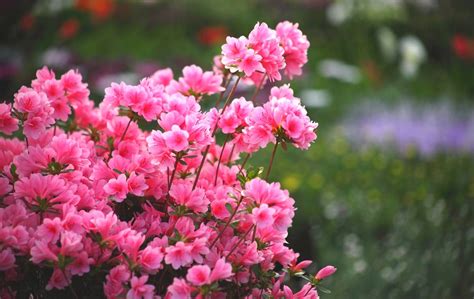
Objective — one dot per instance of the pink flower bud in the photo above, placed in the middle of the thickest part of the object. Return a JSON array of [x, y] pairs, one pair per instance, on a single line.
[[325, 272]]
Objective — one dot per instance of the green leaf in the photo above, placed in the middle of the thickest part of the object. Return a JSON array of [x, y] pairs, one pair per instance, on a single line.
[[324, 290], [228, 206], [13, 172]]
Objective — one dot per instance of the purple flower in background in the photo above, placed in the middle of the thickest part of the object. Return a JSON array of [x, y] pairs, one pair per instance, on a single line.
[[429, 128]]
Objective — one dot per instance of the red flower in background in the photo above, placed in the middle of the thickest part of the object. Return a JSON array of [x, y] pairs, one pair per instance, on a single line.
[[69, 28], [463, 47], [101, 9], [27, 22], [212, 35]]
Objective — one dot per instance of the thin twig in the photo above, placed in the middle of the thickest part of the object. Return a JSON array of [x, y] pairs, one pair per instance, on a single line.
[[126, 129], [220, 158], [178, 157], [258, 88], [271, 160], [226, 84], [243, 163], [227, 223], [206, 151], [238, 242]]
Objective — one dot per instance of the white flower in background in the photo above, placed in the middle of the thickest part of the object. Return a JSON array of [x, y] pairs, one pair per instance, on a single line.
[[331, 68], [52, 6], [126, 77], [425, 4], [339, 11], [412, 53], [387, 43], [315, 98], [55, 57]]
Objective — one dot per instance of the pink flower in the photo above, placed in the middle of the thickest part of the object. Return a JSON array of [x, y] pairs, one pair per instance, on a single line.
[[139, 288], [250, 63], [41, 251], [178, 255], [233, 51], [5, 186], [325, 272], [179, 289], [81, 264], [221, 270], [282, 117], [263, 216], [183, 194], [150, 258], [266, 44], [199, 275], [117, 188], [7, 259], [295, 45], [176, 139], [27, 100], [50, 229], [136, 184], [8, 124], [58, 280], [134, 96], [162, 77], [44, 192], [196, 82]]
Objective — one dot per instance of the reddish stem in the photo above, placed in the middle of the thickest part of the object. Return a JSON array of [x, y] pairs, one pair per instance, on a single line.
[[220, 158], [258, 88], [239, 242], [271, 160], [227, 223]]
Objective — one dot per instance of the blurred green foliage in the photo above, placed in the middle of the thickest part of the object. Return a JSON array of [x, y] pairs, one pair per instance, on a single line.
[[396, 227]]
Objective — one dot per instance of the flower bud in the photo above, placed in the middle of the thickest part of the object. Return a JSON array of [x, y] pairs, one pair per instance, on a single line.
[[325, 272]]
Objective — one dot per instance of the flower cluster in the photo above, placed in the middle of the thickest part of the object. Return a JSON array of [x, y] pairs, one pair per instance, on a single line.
[[267, 51], [88, 196]]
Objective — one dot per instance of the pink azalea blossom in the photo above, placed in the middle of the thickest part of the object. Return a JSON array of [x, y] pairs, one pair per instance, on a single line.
[[117, 188], [295, 45], [8, 124], [199, 275], [263, 215], [179, 289], [178, 255], [139, 288], [196, 82], [176, 139]]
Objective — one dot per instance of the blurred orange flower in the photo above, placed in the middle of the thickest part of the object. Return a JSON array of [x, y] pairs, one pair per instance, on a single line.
[[27, 22], [69, 28], [463, 47], [212, 35], [101, 9]]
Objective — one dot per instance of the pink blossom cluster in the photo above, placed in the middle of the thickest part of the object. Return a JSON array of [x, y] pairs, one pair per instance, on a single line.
[[88, 194], [267, 51]]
